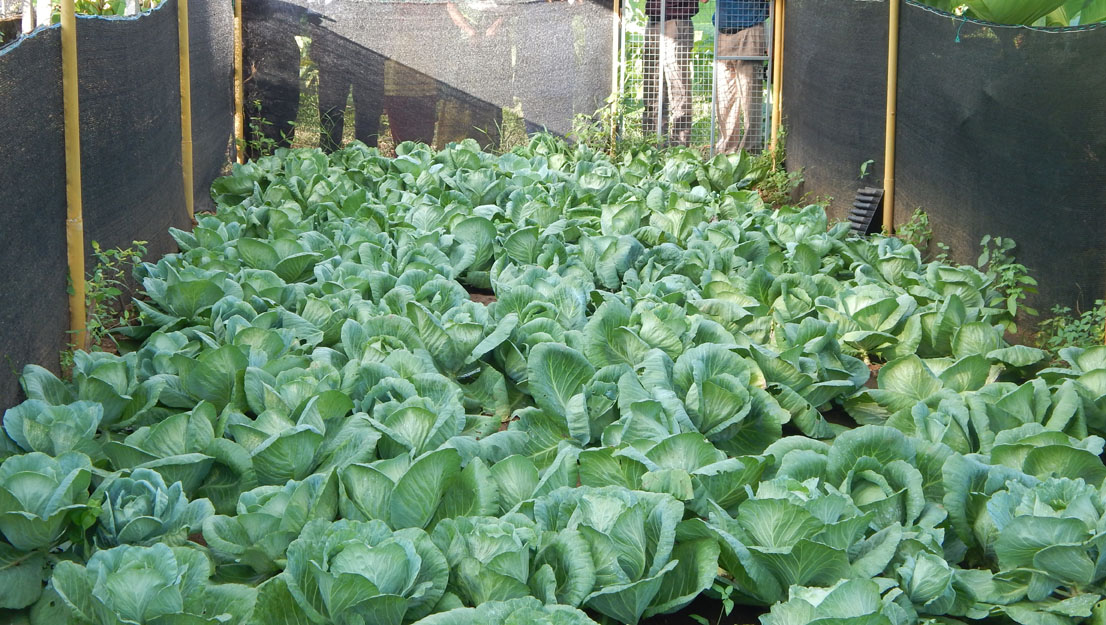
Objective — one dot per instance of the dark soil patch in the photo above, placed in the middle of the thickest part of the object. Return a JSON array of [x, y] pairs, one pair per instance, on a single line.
[[874, 367], [837, 416], [710, 609], [481, 296]]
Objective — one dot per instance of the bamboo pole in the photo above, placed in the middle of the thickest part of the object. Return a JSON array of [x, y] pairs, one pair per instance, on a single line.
[[616, 46], [185, 105], [777, 72], [239, 87], [892, 106], [74, 212]]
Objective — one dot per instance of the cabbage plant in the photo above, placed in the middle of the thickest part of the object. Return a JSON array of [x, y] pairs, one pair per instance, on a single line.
[[511, 612], [38, 494], [156, 584], [1050, 531], [797, 533], [419, 492], [489, 558], [35, 425], [685, 466], [141, 509], [849, 602], [355, 573], [640, 569], [253, 541]]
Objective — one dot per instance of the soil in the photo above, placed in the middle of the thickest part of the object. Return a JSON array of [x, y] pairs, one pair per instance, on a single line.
[[481, 296], [837, 416], [709, 609], [874, 367]]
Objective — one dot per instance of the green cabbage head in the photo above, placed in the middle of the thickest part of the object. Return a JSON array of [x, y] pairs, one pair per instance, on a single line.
[[156, 585], [142, 510], [37, 494], [355, 573]]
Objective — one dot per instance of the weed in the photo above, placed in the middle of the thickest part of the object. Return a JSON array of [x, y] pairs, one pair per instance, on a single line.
[[1009, 277], [594, 131], [866, 168], [257, 141], [724, 589], [777, 187], [106, 293], [1068, 328], [509, 133], [917, 231], [943, 256]]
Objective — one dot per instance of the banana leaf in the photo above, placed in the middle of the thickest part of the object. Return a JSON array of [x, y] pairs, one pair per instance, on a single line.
[[1012, 11]]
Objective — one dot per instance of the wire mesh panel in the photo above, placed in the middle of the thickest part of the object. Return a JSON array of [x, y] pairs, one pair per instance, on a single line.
[[741, 67], [675, 54]]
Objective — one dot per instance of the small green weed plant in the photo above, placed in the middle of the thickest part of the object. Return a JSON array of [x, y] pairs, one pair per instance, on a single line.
[[106, 295], [1072, 328], [1011, 277]]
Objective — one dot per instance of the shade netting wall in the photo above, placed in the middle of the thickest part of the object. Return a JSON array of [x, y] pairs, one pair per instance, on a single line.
[[432, 71], [211, 47], [1001, 131], [34, 310], [132, 182], [834, 77]]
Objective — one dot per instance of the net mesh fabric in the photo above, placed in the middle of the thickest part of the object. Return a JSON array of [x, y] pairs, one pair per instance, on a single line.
[[984, 144], [33, 319], [431, 71], [132, 184]]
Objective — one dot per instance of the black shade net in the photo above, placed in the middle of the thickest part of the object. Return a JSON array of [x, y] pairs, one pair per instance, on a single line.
[[834, 77], [1001, 131], [436, 71], [132, 184], [130, 130], [211, 47], [34, 310]]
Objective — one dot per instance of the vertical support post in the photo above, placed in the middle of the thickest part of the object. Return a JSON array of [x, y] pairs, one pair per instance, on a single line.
[[239, 88], [777, 72], [892, 105], [623, 70], [662, 30], [185, 105], [74, 211], [714, 81], [616, 46]]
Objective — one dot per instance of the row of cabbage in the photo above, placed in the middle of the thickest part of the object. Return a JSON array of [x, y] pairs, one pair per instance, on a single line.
[[319, 425]]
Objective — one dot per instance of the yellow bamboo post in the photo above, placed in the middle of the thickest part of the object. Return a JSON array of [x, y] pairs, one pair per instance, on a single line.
[[74, 211], [777, 72], [239, 88], [616, 46], [185, 104], [892, 105]]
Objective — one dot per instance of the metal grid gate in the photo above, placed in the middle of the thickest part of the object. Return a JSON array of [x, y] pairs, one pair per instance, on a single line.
[[696, 73]]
